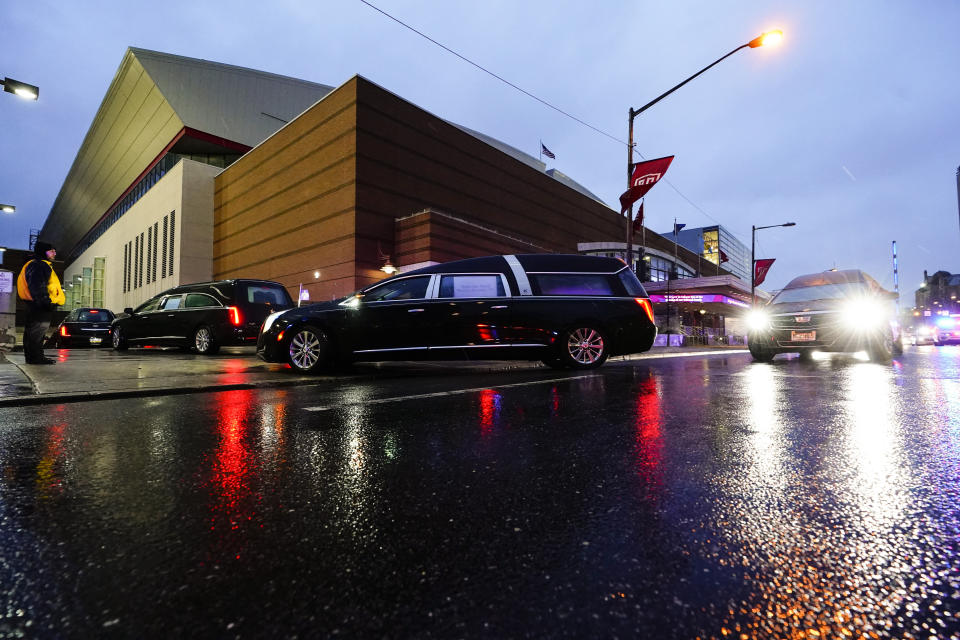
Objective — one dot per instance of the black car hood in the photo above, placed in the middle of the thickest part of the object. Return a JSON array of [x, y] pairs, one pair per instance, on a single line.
[[316, 307]]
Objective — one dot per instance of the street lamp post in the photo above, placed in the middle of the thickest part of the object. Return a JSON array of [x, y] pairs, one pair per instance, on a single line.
[[753, 259], [769, 37], [22, 89]]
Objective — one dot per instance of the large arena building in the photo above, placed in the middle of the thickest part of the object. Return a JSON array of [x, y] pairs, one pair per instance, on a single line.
[[194, 170]]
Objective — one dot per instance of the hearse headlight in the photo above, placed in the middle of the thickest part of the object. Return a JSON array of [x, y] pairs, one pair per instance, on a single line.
[[351, 302], [271, 319], [758, 320], [862, 314]]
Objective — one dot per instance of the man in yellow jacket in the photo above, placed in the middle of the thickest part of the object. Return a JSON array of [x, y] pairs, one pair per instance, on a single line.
[[39, 287]]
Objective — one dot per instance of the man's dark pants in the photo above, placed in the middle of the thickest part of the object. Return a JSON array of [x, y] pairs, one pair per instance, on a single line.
[[35, 332]]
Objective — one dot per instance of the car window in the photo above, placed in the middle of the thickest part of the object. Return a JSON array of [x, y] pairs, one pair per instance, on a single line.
[[631, 283], [471, 286], [93, 315], [72, 316], [195, 300], [172, 302], [274, 295], [150, 305], [573, 284], [402, 289]]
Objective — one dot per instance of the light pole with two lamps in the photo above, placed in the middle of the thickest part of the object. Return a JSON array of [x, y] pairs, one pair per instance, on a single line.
[[753, 259], [769, 37]]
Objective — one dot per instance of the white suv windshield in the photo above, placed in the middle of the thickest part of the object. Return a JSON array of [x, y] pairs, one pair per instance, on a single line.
[[821, 292]]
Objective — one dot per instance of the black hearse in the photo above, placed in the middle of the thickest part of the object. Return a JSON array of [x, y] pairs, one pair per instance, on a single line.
[[570, 311]]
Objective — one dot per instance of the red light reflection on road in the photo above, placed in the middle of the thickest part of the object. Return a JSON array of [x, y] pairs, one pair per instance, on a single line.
[[489, 410], [648, 443], [233, 471], [232, 371]]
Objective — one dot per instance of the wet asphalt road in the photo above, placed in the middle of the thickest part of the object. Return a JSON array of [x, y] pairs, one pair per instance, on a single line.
[[672, 498]]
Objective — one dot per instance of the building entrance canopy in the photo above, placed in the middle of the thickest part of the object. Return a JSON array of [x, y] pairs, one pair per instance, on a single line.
[[723, 295]]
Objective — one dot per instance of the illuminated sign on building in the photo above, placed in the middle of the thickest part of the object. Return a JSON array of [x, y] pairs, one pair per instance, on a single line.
[[698, 298]]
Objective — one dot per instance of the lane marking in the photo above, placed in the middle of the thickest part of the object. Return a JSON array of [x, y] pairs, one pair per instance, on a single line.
[[455, 392]]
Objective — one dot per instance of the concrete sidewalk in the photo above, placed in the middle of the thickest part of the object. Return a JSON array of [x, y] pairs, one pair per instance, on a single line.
[[98, 374]]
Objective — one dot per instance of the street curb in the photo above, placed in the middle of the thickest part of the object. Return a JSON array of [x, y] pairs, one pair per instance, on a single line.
[[92, 396]]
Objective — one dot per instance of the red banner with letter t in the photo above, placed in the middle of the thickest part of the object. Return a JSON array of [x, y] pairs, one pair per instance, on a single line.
[[760, 269], [644, 176]]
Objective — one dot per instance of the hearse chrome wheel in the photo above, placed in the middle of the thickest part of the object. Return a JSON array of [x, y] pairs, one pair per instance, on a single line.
[[308, 349], [584, 348]]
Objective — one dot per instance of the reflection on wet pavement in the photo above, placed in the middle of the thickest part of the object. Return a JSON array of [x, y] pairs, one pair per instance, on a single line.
[[689, 498]]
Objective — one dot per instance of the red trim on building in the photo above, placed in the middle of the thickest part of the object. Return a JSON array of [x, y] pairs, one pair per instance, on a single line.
[[209, 137], [185, 132]]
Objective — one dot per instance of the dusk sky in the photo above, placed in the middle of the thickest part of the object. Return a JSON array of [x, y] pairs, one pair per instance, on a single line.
[[849, 127]]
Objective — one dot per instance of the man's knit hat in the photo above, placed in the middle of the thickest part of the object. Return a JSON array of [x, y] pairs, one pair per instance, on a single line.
[[40, 249]]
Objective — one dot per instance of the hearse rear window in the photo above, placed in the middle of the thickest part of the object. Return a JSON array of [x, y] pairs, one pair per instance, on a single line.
[[574, 284], [471, 286]]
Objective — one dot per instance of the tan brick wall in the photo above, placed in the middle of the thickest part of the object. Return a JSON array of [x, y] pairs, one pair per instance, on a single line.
[[286, 209], [327, 190]]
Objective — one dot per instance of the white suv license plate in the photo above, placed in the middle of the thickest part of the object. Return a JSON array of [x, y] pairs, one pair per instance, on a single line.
[[803, 336]]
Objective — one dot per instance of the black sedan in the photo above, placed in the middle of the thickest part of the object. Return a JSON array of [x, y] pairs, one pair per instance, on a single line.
[[833, 311], [570, 311], [83, 327]]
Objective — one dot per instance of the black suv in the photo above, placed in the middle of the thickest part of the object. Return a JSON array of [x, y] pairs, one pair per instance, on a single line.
[[203, 316]]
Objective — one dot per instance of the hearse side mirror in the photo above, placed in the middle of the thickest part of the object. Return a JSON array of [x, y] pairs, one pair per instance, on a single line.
[[128, 311]]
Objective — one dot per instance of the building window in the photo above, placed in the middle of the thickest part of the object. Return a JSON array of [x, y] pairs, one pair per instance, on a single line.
[[173, 227], [163, 262], [140, 260], [126, 262], [149, 255], [136, 260], [153, 264]]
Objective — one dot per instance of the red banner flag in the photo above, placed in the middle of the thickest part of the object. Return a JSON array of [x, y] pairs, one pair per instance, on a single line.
[[645, 175], [638, 221], [723, 257], [760, 269]]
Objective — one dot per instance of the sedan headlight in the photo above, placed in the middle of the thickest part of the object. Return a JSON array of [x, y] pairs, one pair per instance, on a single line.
[[863, 314], [271, 319], [758, 320]]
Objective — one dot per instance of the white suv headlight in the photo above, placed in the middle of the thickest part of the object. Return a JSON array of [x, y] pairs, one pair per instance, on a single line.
[[758, 320], [863, 314]]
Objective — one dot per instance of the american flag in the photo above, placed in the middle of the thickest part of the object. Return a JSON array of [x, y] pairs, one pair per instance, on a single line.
[[547, 152]]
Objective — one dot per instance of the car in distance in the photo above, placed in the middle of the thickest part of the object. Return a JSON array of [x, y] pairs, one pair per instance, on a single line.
[[570, 311], [83, 327], [203, 316], [836, 311], [923, 334], [946, 331]]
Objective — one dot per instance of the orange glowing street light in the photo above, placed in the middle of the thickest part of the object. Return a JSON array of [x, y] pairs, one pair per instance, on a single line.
[[767, 38]]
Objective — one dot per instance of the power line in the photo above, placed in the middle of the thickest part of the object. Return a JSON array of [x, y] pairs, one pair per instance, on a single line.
[[487, 71], [528, 94]]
